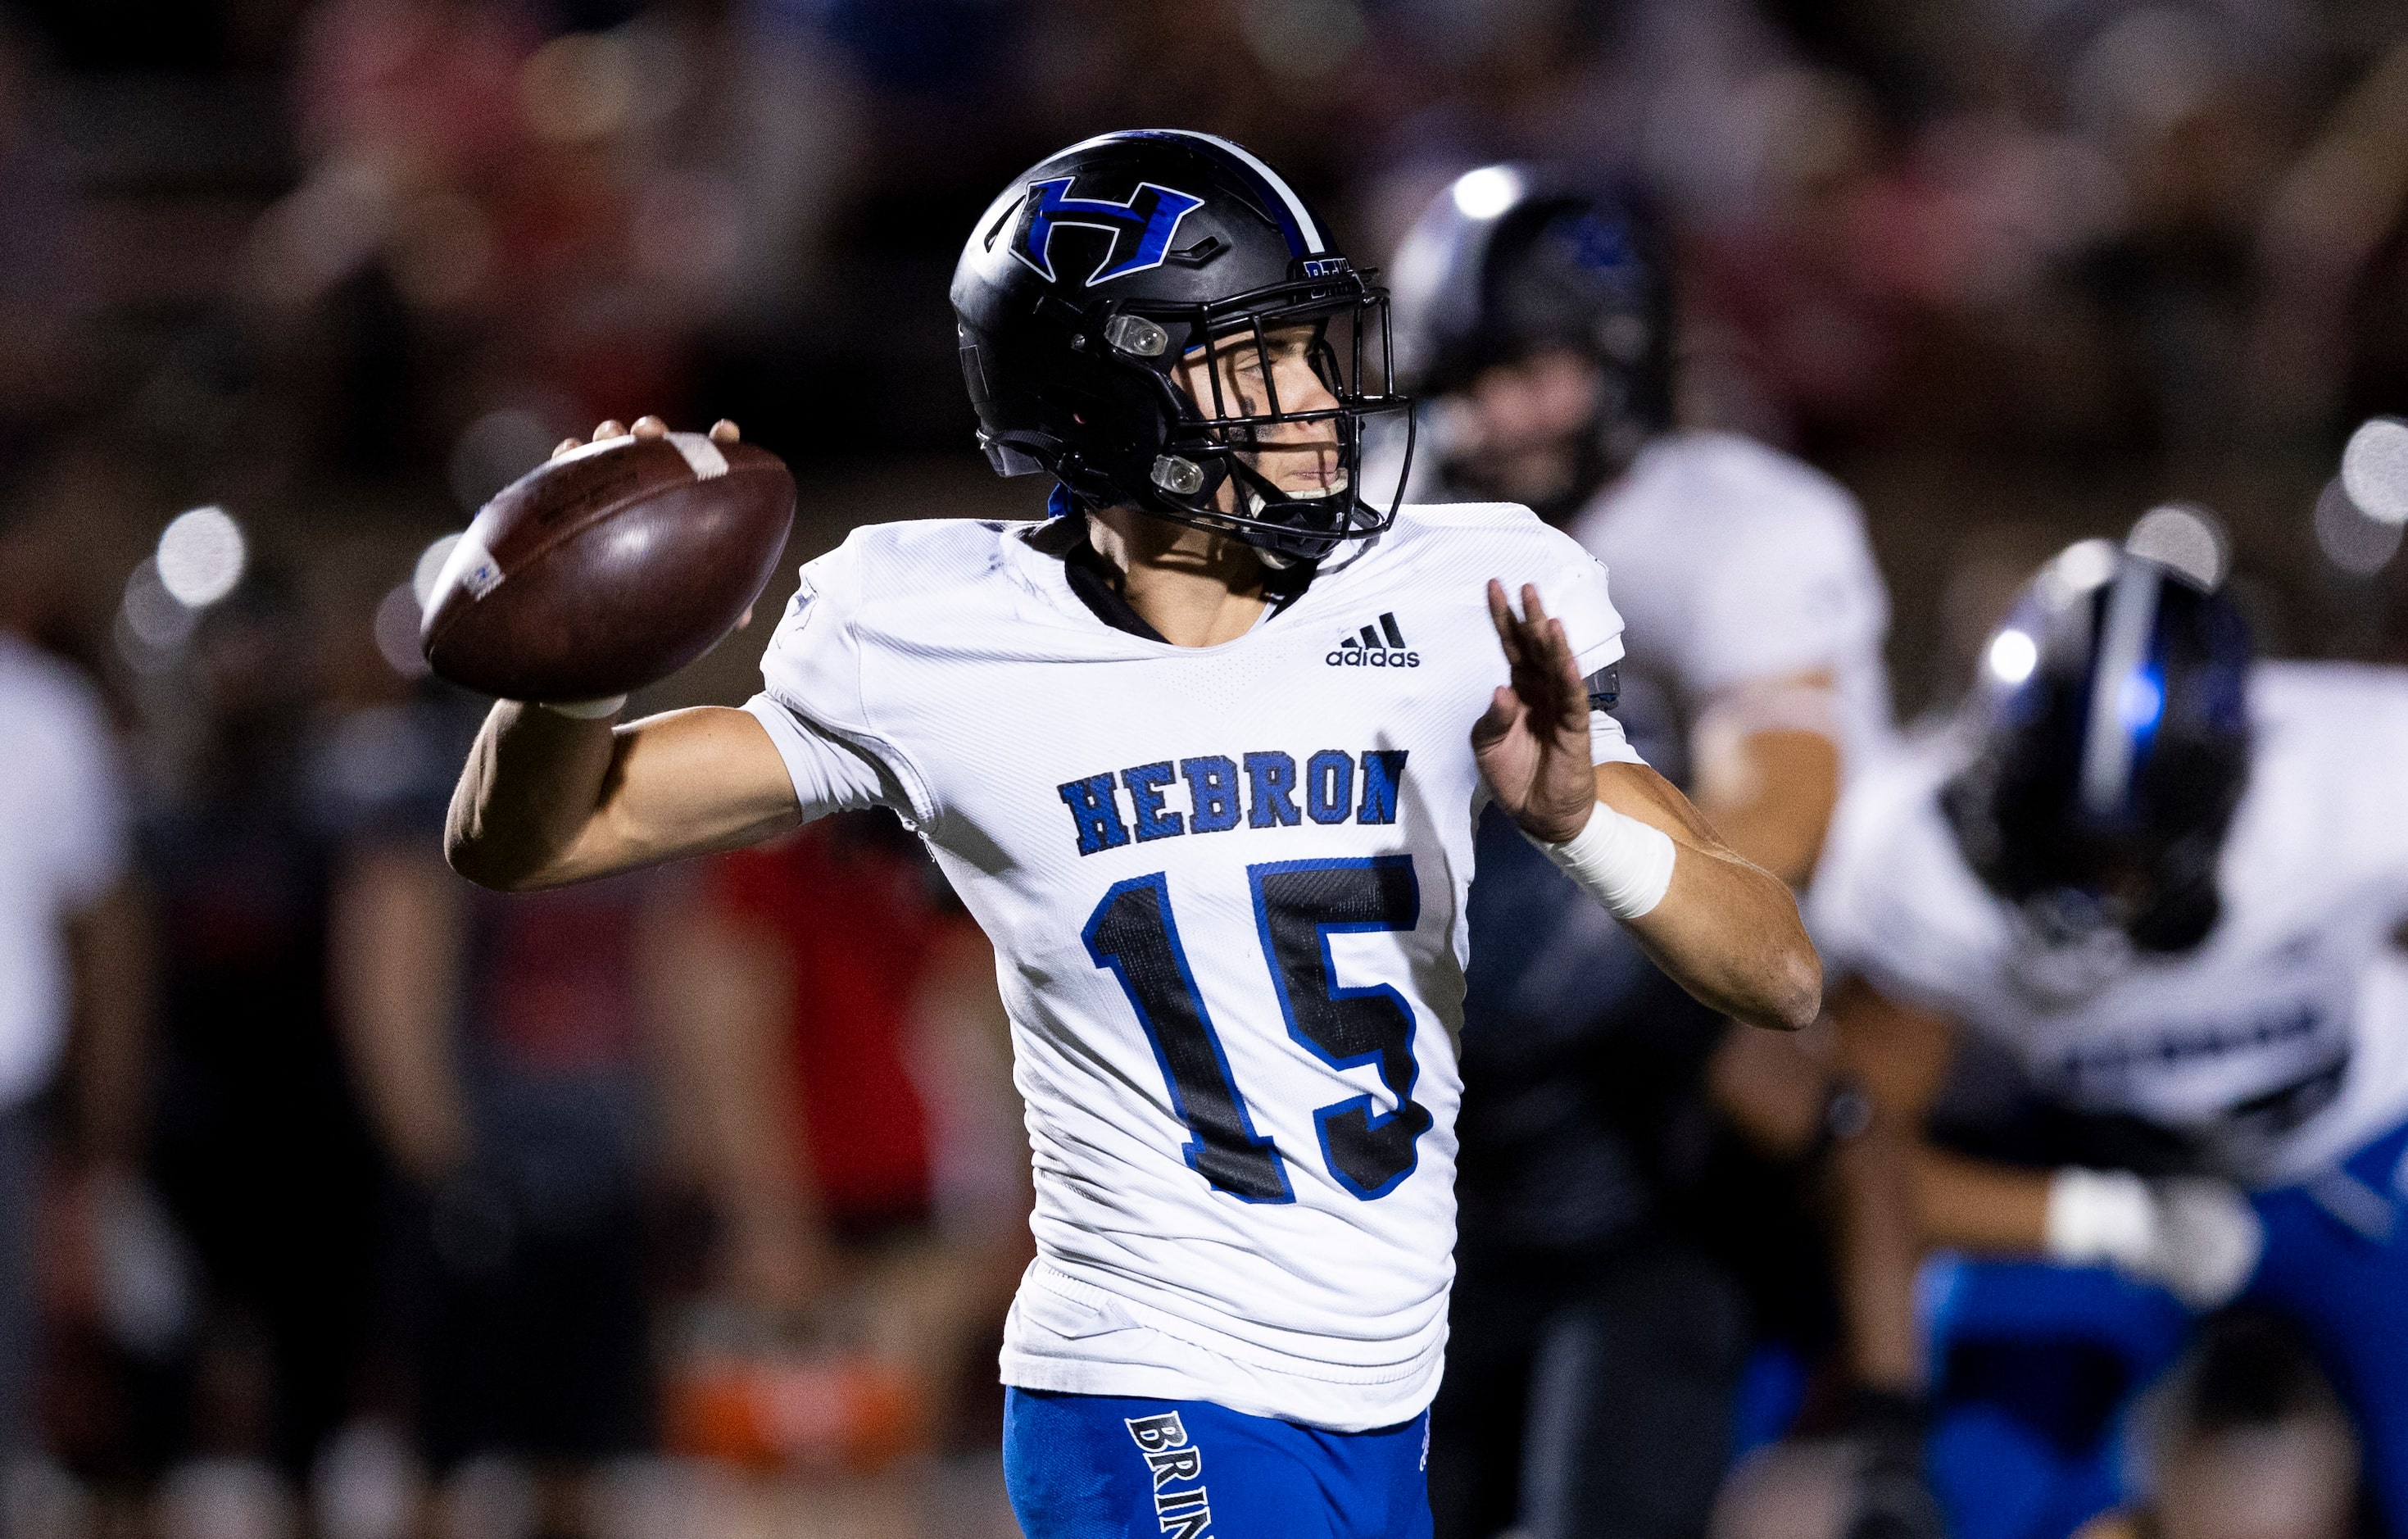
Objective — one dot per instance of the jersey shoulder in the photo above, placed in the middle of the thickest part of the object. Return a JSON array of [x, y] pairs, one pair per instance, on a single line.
[[1463, 544], [1739, 563], [64, 787], [2322, 803], [1506, 524], [930, 583], [39, 685], [2323, 729], [1723, 485], [1762, 482], [913, 563], [1450, 533], [2344, 700], [1893, 898]]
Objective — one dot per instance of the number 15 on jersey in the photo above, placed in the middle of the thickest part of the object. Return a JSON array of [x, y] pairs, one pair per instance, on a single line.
[[1298, 904]]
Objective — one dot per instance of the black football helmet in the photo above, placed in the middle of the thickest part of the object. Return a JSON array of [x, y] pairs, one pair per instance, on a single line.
[[2114, 748], [1100, 271], [1513, 261]]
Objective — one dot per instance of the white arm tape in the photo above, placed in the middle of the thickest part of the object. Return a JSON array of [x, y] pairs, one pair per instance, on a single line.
[[1625, 864], [2101, 1216], [585, 711]]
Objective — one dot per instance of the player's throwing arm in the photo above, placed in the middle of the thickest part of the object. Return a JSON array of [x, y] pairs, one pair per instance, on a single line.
[[1725, 930]]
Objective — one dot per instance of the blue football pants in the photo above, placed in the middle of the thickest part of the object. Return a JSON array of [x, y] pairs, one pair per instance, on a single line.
[[1104, 1467], [2336, 1265]]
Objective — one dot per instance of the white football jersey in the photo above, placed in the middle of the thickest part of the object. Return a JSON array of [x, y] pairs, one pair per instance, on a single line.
[[1735, 562], [2276, 1040], [62, 841], [1226, 886]]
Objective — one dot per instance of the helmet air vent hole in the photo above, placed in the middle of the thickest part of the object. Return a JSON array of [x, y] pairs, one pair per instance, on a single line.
[[1180, 477], [1201, 253], [1136, 337]]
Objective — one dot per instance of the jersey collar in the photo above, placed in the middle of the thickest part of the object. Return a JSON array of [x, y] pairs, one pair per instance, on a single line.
[[1095, 583]]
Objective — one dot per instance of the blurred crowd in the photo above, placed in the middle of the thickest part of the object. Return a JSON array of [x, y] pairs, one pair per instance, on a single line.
[[337, 1193], [341, 1189], [2002, 268]]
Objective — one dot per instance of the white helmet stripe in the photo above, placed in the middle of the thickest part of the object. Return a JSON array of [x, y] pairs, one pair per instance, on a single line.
[[1311, 232], [2107, 747]]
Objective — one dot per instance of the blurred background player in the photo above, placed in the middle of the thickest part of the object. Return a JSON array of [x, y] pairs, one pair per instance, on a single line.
[[2243, 1439], [73, 962], [259, 1144], [509, 1056], [714, 1162], [847, 1003], [1601, 1322], [2160, 881]]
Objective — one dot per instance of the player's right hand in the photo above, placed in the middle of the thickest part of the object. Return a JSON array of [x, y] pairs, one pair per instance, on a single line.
[[2209, 1240], [1532, 744], [721, 431]]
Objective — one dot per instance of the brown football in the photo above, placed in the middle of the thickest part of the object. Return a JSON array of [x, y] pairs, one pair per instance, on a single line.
[[608, 568]]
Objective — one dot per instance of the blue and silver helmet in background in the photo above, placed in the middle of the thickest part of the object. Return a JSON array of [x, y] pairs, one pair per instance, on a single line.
[[2114, 739], [1515, 261]]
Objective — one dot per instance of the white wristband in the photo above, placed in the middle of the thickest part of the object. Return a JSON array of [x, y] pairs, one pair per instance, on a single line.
[[2194, 1235], [2101, 1216], [585, 711], [1624, 864]]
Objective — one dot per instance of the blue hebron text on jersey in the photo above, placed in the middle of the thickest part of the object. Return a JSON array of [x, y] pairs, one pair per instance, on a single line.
[[1273, 795]]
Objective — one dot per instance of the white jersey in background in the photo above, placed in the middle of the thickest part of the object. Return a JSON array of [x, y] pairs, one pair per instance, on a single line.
[[1226, 887], [1735, 565], [2280, 1042], [62, 845]]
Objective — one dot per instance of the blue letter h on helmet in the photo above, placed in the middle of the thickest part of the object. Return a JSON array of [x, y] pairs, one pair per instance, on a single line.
[[1149, 218]]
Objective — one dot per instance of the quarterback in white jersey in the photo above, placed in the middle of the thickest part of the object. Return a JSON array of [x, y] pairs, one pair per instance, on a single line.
[[2165, 881], [1172, 848], [1202, 754]]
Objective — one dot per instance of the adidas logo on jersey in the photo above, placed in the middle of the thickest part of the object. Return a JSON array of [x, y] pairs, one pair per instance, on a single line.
[[1382, 647]]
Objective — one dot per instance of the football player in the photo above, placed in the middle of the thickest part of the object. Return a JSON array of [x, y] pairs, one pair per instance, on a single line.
[[1536, 319], [1202, 754], [2161, 877], [1596, 1352]]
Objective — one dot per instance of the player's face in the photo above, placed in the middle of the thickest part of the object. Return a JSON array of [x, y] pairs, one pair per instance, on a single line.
[[1300, 458], [1515, 433]]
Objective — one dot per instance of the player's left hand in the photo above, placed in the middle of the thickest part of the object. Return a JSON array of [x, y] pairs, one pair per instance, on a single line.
[[1532, 744]]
